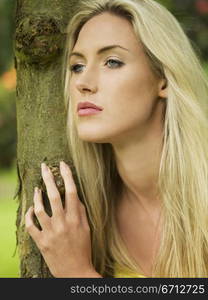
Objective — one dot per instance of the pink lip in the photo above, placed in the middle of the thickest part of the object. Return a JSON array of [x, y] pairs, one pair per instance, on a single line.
[[88, 111], [88, 108]]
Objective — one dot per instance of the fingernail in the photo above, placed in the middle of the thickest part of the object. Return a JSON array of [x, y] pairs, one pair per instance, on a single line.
[[44, 167], [62, 164], [36, 190]]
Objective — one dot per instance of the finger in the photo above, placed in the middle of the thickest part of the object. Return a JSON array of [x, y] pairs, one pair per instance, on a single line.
[[29, 224], [71, 197], [39, 210], [52, 191]]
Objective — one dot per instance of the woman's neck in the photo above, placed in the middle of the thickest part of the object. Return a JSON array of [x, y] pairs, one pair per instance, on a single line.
[[138, 166]]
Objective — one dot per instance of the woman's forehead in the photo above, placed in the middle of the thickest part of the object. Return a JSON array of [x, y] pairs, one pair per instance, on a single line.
[[106, 30]]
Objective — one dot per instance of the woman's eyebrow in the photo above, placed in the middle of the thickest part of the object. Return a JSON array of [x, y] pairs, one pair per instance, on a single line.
[[104, 49]]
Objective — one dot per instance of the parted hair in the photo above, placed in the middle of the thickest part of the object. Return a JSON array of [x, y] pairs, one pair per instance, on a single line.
[[183, 173]]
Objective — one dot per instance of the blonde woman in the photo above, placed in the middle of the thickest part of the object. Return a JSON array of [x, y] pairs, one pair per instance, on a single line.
[[136, 97]]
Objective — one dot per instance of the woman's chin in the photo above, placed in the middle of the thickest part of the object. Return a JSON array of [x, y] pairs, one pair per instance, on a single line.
[[93, 138]]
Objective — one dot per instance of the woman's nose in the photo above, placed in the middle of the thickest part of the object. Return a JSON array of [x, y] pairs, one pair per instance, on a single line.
[[87, 82], [86, 87]]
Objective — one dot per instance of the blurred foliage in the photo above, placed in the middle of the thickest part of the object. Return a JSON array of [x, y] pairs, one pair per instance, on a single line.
[[193, 17], [7, 84], [8, 135], [7, 21]]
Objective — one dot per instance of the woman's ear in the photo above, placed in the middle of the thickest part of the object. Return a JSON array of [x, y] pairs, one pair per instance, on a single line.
[[163, 88]]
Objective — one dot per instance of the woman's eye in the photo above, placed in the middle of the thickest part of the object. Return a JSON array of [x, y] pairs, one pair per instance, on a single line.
[[73, 68], [115, 63]]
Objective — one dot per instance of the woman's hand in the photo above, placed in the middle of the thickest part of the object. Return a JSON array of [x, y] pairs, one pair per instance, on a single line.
[[64, 240]]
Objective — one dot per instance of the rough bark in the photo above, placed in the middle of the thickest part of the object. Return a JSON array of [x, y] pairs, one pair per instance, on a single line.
[[41, 133]]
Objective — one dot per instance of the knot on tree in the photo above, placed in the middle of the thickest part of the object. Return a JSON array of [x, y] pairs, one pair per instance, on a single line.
[[60, 185], [38, 39], [57, 178]]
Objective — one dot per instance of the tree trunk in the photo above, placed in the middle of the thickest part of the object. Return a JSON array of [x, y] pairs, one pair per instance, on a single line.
[[41, 115]]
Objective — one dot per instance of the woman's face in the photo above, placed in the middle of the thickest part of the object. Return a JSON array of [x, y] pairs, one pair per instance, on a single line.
[[119, 80]]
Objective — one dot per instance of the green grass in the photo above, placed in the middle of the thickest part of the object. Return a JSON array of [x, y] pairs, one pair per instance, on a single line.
[[9, 263]]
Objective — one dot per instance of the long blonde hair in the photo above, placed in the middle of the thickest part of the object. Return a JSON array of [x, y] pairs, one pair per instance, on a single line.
[[183, 173]]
